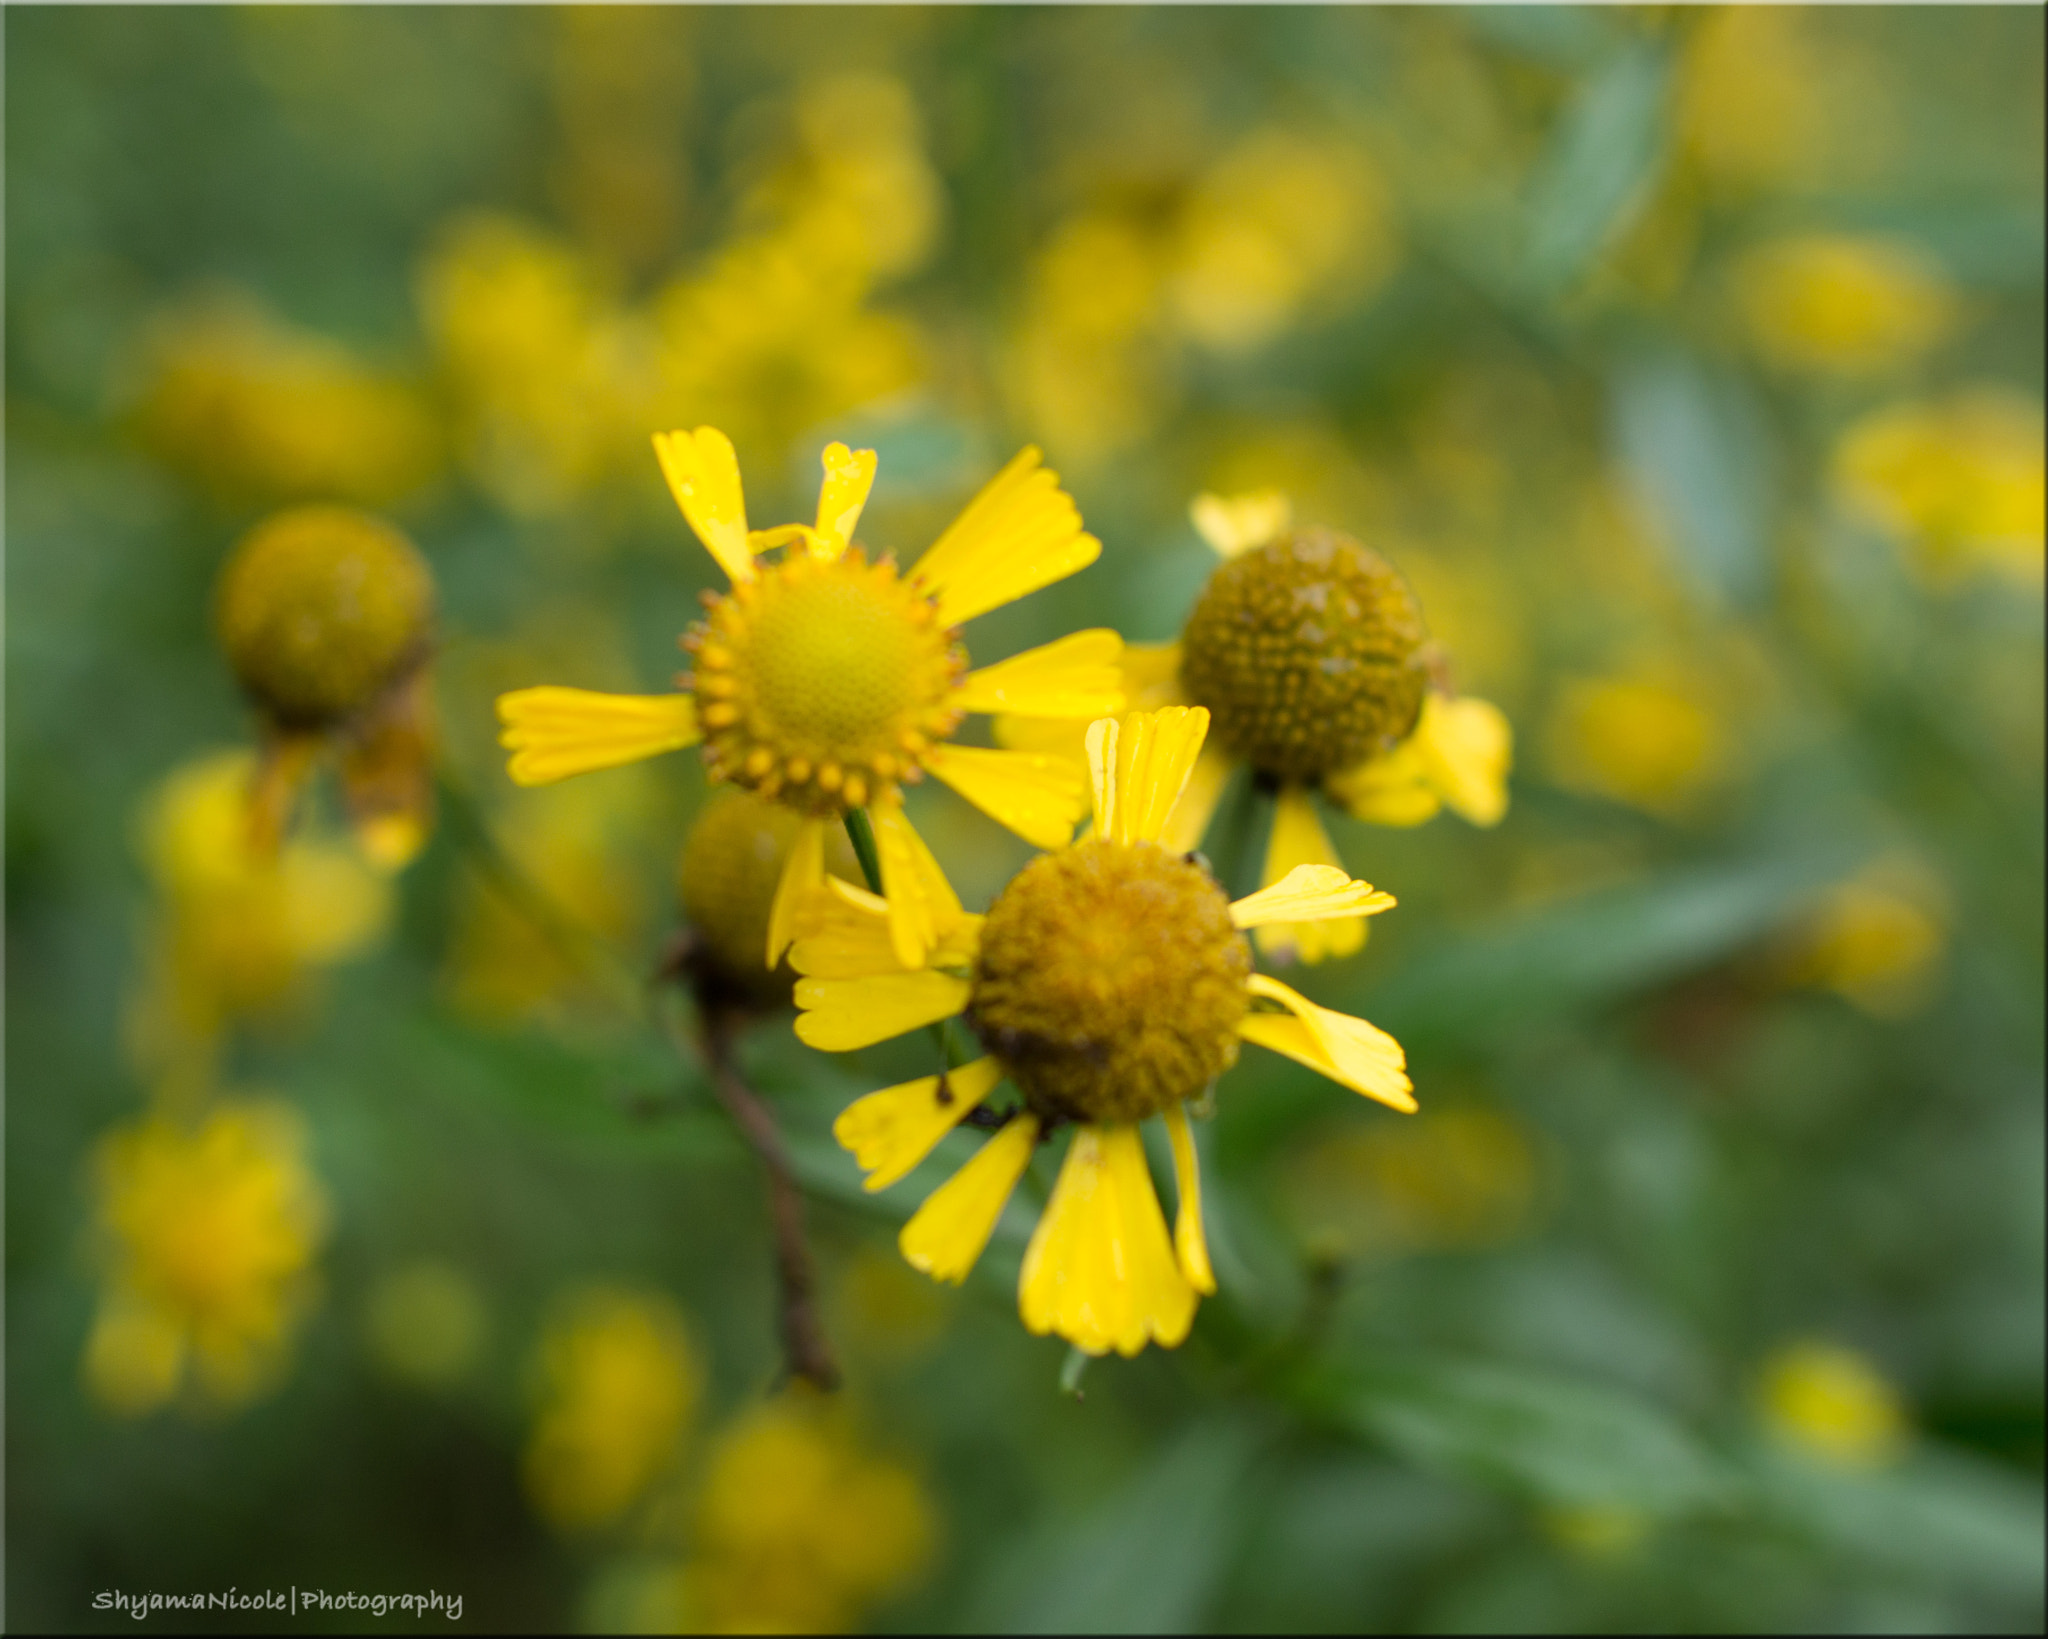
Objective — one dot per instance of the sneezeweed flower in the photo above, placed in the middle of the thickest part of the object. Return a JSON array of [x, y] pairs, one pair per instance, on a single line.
[[619, 1380], [1832, 1403], [1841, 304], [1650, 741], [1309, 652], [1958, 482], [826, 682], [207, 1235], [1877, 939], [1110, 983], [326, 615]]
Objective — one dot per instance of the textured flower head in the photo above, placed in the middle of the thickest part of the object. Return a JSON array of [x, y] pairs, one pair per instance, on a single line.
[[1310, 653], [827, 681], [1110, 982]]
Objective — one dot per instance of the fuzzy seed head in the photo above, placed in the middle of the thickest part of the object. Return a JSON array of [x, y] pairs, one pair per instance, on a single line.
[[726, 879]]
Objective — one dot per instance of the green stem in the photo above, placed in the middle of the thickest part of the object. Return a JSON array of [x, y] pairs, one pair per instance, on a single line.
[[862, 836], [1070, 1372]]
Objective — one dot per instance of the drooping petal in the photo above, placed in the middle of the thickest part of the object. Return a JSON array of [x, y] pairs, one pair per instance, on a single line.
[[1395, 789], [1020, 533], [1076, 677], [1298, 839], [703, 474], [849, 475], [1189, 821], [1101, 747], [911, 927], [947, 1233], [1361, 1056], [891, 1131], [1045, 736], [842, 932], [1152, 676], [1310, 893], [1100, 1271], [1156, 752], [803, 873], [1040, 798], [1190, 1245], [838, 1015], [553, 733], [1468, 746], [1233, 525]]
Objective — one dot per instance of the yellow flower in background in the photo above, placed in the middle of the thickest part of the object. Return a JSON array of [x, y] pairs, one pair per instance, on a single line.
[[426, 1323], [1877, 939], [1832, 1403], [1110, 982], [619, 1380], [1843, 304], [207, 1233], [1653, 743], [800, 1528], [1958, 481], [1310, 653], [259, 409], [237, 932], [826, 681], [1749, 113]]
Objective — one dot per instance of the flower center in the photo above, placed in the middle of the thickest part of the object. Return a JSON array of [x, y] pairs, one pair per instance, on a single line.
[[821, 684], [726, 878], [1309, 653], [1110, 981]]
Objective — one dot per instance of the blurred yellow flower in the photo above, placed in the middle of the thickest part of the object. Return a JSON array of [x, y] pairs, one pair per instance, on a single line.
[[1747, 109], [1843, 304], [1957, 480], [1594, 1531], [261, 410], [1877, 939], [1642, 740], [426, 1322], [619, 1380], [206, 1232], [236, 933], [1832, 1403]]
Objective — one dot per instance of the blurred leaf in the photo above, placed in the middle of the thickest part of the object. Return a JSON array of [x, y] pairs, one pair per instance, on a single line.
[[1560, 1441], [1598, 170], [1694, 447], [1147, 1560]]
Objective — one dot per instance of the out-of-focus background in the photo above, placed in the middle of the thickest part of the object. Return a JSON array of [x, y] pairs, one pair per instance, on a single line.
[[1689, 364]]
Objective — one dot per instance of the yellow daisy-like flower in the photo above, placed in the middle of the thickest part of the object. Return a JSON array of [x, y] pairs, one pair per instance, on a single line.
[[1312, 655], [827, 681], [1110, 982]]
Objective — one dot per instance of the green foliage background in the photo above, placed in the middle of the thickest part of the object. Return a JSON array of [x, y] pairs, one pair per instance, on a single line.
[[1377, 1439]]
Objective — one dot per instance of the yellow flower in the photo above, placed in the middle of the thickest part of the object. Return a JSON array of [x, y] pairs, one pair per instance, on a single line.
[[426, 1323], [1833, 1404], [206, 1234], [1110, 982], [827, 681], [1311, 653], [619, 1381], [1639, 739], [1836, 303], [1877, 939], [1959, 481]]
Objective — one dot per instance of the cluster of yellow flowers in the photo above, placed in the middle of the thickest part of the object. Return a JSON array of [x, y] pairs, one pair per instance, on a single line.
[[1112, 980]]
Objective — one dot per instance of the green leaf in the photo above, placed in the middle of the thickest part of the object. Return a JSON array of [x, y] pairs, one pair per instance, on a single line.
[[1599, 168]]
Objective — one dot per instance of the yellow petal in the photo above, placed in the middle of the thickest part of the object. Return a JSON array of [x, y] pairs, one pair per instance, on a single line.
[[1040, 798], [803, 872], [1361, 1056], [949, 1231], [1310, 893], [942, 904], [1076, 677], [911, 927], [1234, 525], [1152, 676], [838, 1015], [553, 732], [1100, 1271], [842, 932], [1045, 736], [1298, 839], [849, 475], [1467, 746], [703, 474], [1156, 752], [1395, 789], [1189, 821], [891, 1131], [1190, 1245], [1020, 533], [1101, 748]]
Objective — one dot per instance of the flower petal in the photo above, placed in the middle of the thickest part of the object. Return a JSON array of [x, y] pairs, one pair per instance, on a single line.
[[838, 1015], [1190, 1245], [1468, 746], [803, 873], [1040, 798], [849, 475], [1310, 893], [1045, 736], [1152, 676], [1233, 525], [891, 1131], [1101, 747], [842, 932], [1394, 789], [911, 923], [1100, 1271], [1189, 821], [1156, 752], [553, 733], [947, 1233], [1298, 839], [1076, 677], [1359, 1055], [703, 474], [1020, 533]]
